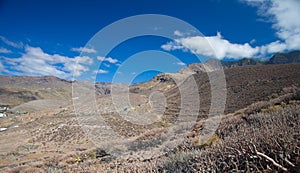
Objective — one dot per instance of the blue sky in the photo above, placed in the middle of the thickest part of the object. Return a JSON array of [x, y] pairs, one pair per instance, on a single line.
[[50, 37]]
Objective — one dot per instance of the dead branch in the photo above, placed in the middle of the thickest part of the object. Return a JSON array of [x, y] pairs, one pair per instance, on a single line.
[[270, 159], [287, 161]]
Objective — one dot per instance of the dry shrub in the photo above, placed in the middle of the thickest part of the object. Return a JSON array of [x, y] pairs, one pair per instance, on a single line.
[[246, 142], [289, 93]]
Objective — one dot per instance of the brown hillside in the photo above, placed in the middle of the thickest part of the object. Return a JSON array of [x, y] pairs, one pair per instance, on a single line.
[[245, 85]]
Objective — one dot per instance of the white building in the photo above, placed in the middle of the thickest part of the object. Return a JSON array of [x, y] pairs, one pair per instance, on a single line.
[[4, 108], [3, 129], [2, 115]]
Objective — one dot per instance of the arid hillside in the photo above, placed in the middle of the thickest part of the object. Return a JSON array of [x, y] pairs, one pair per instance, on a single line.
[[259, 130], [16, 90], [245, 85]]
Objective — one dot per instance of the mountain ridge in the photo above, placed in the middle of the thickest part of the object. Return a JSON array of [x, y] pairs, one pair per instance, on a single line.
[[277, 58]]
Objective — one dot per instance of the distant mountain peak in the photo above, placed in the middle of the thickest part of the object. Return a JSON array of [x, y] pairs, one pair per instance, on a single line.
[[285, 58], [210, 65]]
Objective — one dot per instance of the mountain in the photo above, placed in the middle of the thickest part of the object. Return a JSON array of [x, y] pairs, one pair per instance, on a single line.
[[242, 62], [247, 80], [285, 58], [33, 82], [16, 90], [208, 66], [278, 58], [245, 86], [211, 64]]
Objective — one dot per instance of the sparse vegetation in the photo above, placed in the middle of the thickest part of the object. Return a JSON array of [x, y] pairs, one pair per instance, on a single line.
[[259, 131], [30, 140]]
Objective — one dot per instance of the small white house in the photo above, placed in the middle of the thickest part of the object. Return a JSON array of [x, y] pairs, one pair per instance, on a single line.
[[3, 129], [4, 108], [2, 115]]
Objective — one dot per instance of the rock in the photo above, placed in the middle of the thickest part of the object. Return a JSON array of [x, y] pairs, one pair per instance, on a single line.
[[80, 149], [101, 153]]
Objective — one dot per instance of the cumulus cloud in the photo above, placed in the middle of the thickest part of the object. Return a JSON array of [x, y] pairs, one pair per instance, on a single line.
[[4, 50], [84, 49], [283, 14], [173, 46], [213, 46], [36, 62], [273, 47], [107, 59], [100, 71], [11, 43]]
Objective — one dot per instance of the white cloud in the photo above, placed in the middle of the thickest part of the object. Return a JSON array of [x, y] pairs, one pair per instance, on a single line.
[[10, 43], [181, 63], [178, 33], [273, 47], [36, 62], [106, 65], [2, 69], [213, 46], [107, 59], [169, 46], [100, 71], [172, 46], [4, 50], [183, 34], [283, 14], [252, 41], [285, 17], [77, 65], [84, 49]]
